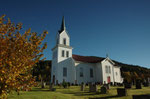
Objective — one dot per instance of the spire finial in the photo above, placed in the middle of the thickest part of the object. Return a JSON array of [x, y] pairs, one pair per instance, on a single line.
[[63, 27]]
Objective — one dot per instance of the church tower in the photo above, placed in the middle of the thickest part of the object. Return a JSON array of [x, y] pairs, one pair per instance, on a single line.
[[62, 49], [61, 52]]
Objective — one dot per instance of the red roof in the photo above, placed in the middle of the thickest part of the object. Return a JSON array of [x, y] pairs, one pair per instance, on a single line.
[[87, 59]]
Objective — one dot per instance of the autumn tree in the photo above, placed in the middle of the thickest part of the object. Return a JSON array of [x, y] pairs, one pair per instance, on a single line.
[[127, 77], [19, 52], [134, 77]]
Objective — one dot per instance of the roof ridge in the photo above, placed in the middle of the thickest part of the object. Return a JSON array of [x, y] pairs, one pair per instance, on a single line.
[[88, 59]]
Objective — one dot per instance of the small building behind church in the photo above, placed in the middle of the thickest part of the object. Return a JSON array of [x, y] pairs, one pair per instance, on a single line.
[[76, 69]]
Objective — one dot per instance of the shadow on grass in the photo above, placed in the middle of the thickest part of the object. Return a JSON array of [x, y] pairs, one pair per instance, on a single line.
[[86, 93], [106, 97], [39, 89], [82, 93], [75, 93]]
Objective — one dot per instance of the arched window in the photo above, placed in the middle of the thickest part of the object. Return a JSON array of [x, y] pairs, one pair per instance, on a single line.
[[106, 69], [63, 53], [65, 72], [64, 41], [67, 53], [81, 72], [109, 69], [91, 72]]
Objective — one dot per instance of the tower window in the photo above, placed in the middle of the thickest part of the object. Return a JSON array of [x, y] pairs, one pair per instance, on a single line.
[[63, 53], [67, 54], [65, 72], [91, 72], [64, 41]]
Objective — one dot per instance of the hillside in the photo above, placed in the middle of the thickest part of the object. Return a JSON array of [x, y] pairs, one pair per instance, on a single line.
[[132, 68]]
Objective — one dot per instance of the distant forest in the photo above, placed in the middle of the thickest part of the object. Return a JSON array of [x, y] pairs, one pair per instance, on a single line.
[[128, 72], [133, 72]]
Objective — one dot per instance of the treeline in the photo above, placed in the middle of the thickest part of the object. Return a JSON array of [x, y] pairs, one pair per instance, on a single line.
[[131, 73], [42, 71]]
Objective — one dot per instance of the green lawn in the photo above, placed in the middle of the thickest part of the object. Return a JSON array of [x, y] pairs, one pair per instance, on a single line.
[[74, 93]]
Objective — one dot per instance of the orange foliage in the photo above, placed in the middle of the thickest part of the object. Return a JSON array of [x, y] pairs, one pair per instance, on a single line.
[[127, 76], [18, 54]]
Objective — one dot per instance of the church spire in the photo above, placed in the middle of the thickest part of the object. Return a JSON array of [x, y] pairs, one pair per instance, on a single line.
[[63, 27]]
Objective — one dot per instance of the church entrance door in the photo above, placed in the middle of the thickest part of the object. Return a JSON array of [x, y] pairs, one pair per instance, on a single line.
[[108, 79]]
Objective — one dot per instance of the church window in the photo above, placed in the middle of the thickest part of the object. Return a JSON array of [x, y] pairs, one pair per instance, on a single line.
[[81, 72], [67, 54], [106, 69], [63, 53], [65, 72], [91, 72], [64, 41], [109, 69]]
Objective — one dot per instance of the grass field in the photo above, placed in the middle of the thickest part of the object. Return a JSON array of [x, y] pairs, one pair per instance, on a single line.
[[74, 92]]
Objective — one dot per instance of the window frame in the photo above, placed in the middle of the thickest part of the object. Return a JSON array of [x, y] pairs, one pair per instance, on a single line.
[[64, 41], [91, 73], [109, 69], [106, 69], [63, 53], [64, 71], [67, 53], [81, 72]]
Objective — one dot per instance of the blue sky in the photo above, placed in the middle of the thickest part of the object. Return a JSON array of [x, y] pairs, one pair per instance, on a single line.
[[120, 28]]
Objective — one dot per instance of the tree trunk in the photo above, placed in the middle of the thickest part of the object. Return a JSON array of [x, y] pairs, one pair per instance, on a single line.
[[42, 83]]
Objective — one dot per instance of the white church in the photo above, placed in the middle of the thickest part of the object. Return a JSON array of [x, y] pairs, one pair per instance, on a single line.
[[77, 69]]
